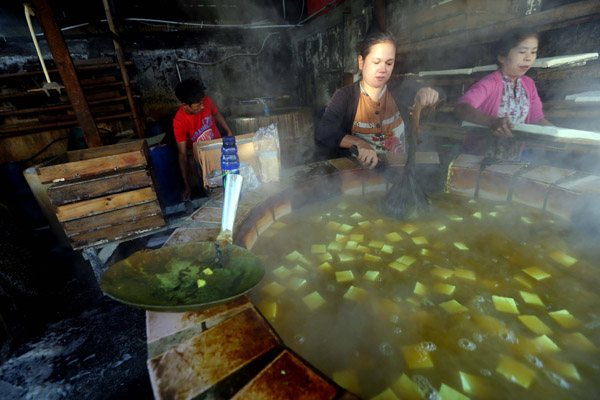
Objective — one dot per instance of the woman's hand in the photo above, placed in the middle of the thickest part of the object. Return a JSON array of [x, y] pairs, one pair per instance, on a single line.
[[426, 97], [367, 155], [501, 127]]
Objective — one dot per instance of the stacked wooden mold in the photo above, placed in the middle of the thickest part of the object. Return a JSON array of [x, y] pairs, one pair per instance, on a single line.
[[103, 194]]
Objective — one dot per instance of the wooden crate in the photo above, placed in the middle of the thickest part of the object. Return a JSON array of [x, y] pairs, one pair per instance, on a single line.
[[103, 194]]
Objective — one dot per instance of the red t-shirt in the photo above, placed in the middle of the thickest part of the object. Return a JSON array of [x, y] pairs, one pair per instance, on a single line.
[[195, 128]]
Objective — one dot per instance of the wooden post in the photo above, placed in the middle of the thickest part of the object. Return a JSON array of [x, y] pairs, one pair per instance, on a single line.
[[66, 69], [139, 126]]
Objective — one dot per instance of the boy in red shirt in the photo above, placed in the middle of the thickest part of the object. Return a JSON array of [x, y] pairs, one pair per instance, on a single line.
[[194, 121]]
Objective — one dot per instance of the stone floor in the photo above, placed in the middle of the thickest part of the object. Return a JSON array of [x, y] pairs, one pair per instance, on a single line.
[[61, 338]]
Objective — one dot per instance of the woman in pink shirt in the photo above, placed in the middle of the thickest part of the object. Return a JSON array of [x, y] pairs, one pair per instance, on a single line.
[[504, 97]]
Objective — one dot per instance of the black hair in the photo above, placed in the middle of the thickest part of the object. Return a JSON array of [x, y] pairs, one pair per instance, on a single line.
[[190, 91], [364, 47], [511, 40]]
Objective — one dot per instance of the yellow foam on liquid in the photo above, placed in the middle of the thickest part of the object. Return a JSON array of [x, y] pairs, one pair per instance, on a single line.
[[318, 248], [531, 298], [564, 319], [537, 273], [393, 237], [453, 307], [515, 372], [535, 324], [387, 394], [562, 258], [448, 393], [505, 304], [273, 289], [356, 294], [420, 240], [416, 357], [398, 266], [407, 389], [464, 274], [344, 276], [406, 260], [444, 289], [313, 300]]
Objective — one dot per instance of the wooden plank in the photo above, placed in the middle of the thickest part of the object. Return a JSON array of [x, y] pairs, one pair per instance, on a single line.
[[60, 194], [114, 149], [438, 13], [117, 232], [92, 168], [55, 125], [112, 218], [104, 204], [77, 67]]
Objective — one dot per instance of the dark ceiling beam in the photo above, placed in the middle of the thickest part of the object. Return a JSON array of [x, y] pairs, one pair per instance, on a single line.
[[66, 69]]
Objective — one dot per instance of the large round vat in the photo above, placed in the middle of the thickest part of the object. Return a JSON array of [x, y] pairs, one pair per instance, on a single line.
[[295, 127], [547, 342]]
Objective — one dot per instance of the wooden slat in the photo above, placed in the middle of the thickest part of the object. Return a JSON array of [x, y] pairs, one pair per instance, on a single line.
[[88, 154], [117, 232], [104, 204], [89, 189], [112, 218]]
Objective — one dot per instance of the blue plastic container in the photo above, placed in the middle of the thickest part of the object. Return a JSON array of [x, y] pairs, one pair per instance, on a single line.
[[230, 161], [166, 170]]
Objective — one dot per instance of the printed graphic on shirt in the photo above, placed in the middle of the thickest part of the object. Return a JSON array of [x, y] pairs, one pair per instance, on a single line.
[[205, 132]]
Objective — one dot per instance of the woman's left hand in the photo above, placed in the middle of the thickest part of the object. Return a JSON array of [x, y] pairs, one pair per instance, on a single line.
[[426, 97]]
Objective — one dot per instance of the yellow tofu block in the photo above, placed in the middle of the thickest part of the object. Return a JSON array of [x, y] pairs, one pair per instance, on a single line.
[[282, 272], [325, 267], [526, 220], [379, 223], [313, 300], [385, 309], [356, 294], [448, 393], [414, 301], [444, 289], [345, 257], [464, 274], [316, 219], [439, 226], [357, 237], [531, 298], [363, 249], [278, 225], [387, 394], [453, 307], [393, 237], [351, 245], [370, 257], [474, 385], [505, 304], [489, 324], [493, 214], [535, 324], [407, 389], [273, 289], [346, 228], [544, 344], [455, 217], [325, 257], [578, 341], [364, 224], [376, 244], [472, 201], [420, 289], [293, 256], [201, 283], [537, 273], [406, 260], [341, 238], [298, 270], [348, 379], [398, 266], [268, 310], [416, 357], [356, 216], [371, 275], [296, 283], [344, 276], [420, 240], [523, 281], [443, 273], [387, 249], [564, 319], [332, 225], [461, 246], [334, 246], [563, 258], [408, 228], [562, 368], [477, 215], [515, 371], [343, 206], [318, 248], [207, 271], [327, 214], [304, 260], [425, 252]]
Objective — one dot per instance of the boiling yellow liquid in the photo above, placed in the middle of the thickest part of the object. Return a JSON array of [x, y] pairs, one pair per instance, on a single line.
[[478, 299]]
